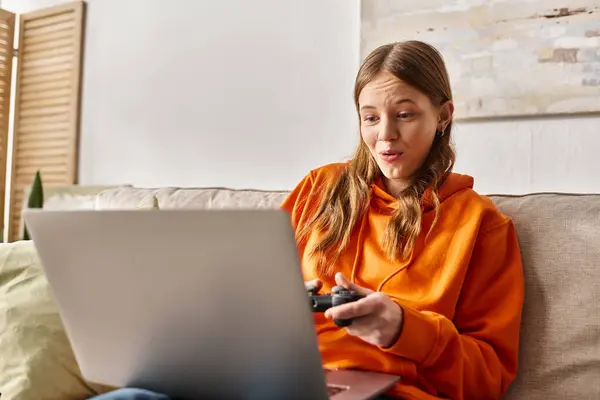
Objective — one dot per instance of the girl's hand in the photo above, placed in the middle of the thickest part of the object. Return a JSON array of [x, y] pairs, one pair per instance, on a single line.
[[377, 319]]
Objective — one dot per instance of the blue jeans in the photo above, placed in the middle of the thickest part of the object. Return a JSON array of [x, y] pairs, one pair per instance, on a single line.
[[141, 394], [131, 394]]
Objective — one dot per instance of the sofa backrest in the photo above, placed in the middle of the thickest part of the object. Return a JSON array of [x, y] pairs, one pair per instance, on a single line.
[[559, 236], [130, 197]]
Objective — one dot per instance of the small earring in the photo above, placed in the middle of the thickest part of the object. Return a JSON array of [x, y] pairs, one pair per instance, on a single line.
[[440, 133]]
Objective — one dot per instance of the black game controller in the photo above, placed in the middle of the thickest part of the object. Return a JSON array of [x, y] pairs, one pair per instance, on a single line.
[[338, 296]]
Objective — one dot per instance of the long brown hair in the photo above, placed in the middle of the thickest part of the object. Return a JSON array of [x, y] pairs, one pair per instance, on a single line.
[[345, 202]]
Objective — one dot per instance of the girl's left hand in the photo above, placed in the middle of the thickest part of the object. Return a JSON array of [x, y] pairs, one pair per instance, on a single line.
[[377, 319]]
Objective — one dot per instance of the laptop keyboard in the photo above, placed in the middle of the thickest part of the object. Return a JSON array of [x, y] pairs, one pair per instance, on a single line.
[[332, 390]]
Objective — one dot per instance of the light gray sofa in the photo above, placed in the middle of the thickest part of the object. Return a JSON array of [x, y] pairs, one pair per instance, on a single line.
[[559, 236]]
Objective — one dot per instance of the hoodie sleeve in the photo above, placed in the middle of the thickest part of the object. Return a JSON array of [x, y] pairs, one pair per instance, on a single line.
[[474, 356], [296, 202], [305, 199]]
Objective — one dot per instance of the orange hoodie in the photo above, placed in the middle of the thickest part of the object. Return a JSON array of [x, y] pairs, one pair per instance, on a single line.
[[461, 291]]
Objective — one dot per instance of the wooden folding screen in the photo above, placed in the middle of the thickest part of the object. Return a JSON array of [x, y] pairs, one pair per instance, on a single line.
[[7, 30], [47, 102]]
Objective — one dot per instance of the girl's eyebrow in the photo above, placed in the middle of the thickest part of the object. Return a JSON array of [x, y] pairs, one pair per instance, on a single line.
[[399, 101]]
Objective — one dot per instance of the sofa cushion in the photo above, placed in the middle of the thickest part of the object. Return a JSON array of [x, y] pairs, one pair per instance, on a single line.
[[36, 360], [150, 202], [130, 197], [560, 341]]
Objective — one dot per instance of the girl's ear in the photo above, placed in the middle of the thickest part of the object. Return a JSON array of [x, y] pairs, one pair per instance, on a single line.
[[446, 113]]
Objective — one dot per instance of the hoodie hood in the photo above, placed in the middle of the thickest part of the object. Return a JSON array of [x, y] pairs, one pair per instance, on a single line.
[[454, 183]]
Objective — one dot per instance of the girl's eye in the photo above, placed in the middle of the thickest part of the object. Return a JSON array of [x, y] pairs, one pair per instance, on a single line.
[[370, 118], [406, 115]]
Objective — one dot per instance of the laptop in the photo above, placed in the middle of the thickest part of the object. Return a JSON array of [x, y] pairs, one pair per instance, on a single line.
[[191, 303]]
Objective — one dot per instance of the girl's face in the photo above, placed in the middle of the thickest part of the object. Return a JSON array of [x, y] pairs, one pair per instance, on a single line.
[[398, 125]]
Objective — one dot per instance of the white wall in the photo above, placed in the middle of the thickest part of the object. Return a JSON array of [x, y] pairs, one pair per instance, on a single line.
[[255, 93], [230, 93], [531, 155]]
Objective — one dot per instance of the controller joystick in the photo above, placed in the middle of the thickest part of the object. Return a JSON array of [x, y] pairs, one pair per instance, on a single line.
[[338, 296], [336, 289]]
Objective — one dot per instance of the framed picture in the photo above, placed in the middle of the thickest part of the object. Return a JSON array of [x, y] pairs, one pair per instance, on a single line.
[[505, 57]]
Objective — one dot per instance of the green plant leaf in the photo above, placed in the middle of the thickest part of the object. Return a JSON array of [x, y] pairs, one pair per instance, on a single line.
[[35, 200]]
